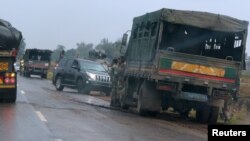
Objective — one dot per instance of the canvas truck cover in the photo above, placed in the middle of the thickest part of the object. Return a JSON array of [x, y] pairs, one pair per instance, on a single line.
[[202, 26], [10, 37], [198, 19], [37, 54]]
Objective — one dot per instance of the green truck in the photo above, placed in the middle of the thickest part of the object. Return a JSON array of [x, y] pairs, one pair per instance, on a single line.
[[10, 39], [185, 60]]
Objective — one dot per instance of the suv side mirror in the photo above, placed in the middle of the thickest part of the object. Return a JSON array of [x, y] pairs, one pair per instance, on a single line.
[[75, 67]]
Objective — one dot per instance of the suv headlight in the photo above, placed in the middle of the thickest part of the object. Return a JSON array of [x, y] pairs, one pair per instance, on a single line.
[[91, 75]]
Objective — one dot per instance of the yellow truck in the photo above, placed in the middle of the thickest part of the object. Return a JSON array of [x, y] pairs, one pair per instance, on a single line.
[[10, 39]]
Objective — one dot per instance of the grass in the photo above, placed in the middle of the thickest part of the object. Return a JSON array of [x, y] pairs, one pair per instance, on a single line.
[[239, 113], [241, 109]]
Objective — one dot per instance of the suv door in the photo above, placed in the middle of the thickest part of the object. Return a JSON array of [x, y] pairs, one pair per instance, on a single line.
[[72, 72], [67, 70], [60, 70]]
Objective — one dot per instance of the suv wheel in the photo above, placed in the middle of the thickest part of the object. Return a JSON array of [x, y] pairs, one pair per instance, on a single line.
[[58, 85], [81, 88]]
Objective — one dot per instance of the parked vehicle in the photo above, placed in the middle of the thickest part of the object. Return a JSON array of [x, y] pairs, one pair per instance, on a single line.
[[36, 61], [185, 60], [10, 39], [83, 75], [17, 66]]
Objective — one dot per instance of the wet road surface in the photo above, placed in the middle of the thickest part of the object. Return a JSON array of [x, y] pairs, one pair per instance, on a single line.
[[42, 114]]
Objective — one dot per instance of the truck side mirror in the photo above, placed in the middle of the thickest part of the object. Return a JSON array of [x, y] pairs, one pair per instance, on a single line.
[[124, 39]]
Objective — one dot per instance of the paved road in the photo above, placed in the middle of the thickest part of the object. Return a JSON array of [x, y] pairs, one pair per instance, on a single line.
[[43, 114]]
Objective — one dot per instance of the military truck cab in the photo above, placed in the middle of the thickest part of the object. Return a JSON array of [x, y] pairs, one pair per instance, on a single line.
[[36, 62], [185, 60]]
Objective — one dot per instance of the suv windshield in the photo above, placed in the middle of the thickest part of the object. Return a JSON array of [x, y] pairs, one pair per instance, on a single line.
[[87, 65]]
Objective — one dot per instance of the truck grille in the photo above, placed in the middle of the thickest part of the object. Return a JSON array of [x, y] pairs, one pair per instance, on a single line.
[[102, 78]]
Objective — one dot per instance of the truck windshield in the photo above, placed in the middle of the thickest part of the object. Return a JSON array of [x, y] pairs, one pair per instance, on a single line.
[[92, 66], [39, 55], [199, 41]]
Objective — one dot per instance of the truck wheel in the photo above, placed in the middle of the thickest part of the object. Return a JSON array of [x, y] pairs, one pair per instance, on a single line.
[[58, 85], [141, 105], [44, 76], [123, 102], [26, 74], [213, 116], [124, 95], [107, 92], [81, 88], [202, 114], [149, 102]]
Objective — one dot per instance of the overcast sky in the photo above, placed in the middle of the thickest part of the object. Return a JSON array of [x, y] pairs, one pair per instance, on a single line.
[[47, 23]]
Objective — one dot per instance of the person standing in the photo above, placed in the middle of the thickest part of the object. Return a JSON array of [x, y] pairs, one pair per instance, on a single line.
[[114, 80]]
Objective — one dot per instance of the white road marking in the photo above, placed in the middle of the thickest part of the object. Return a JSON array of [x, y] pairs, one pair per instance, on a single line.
[[58, 139], [40, 115], [22, 92]]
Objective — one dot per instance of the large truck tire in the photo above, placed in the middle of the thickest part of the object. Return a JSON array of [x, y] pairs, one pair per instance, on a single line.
[[149, 102], [202, 114], [26, 74], [125, 93], [213, 116], [43, 76]]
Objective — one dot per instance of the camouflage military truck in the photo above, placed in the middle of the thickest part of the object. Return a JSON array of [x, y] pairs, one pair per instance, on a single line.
[[185, 60]]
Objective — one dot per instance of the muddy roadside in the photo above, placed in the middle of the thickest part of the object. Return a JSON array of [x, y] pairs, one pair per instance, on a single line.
[[241, 109]]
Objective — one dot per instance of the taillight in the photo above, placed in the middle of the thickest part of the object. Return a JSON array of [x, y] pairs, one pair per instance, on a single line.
[[6, 80], [10, 78]]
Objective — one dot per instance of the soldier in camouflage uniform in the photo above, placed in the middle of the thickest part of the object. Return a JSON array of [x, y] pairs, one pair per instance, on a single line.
[[121, 69], [117, 81], [114, 80]]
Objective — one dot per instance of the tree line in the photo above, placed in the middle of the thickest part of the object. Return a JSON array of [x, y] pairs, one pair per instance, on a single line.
[[111, 49]]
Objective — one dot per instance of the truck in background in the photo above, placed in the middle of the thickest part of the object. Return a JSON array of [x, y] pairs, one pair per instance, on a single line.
[[184, 60], [35, 61], [10, 39]]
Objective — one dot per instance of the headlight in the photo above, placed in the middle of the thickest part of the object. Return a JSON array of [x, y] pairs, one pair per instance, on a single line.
[[91, 75]]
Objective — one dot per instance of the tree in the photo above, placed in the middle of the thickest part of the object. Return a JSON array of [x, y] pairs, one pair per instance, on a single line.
[[112, 50], [71, 53], [83, 49], [56, 53]]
